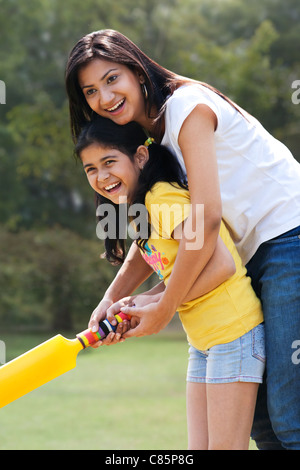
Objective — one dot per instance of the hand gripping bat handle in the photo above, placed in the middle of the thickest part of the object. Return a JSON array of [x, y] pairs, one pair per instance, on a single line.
[[88, 337]]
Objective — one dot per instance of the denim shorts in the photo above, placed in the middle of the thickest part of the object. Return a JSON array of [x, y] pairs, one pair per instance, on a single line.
[[242, 360]]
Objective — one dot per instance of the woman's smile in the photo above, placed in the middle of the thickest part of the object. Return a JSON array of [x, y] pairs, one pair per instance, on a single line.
[[117, 108]]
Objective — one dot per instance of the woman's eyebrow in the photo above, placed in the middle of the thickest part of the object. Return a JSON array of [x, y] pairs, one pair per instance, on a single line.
[[101, 79]]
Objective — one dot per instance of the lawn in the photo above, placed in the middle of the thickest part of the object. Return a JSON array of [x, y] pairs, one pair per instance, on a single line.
[[130, 396]]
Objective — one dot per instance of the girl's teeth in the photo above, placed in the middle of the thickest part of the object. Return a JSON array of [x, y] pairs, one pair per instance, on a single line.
[[111, 186]]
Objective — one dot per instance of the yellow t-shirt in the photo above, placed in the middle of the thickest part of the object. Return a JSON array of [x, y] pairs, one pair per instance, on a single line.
[[225, 313]]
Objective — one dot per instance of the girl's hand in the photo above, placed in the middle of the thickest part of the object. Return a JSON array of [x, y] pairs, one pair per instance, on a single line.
[[100, 314], [141, 300]]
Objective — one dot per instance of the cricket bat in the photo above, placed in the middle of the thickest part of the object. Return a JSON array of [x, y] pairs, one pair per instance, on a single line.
[[47, 361]]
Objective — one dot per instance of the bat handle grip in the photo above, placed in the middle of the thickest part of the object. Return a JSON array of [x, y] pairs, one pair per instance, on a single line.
[[88, 337]]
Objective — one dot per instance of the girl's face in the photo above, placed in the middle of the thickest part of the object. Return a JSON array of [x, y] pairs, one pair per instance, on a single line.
[[113, 91], [112, 173]]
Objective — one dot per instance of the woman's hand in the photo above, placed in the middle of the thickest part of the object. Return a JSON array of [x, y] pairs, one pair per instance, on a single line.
[[135, 303], [153, 317]]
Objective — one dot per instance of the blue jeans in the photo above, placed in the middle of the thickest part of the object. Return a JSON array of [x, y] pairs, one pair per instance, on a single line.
[[275, 274]]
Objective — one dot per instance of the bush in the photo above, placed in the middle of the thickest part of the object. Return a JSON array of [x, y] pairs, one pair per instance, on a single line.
[[50, 279]]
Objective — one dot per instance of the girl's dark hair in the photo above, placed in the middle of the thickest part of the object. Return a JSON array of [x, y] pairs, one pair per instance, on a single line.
[[162, 165], [113, 46]]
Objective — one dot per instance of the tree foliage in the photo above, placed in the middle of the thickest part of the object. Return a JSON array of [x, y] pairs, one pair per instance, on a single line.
[[50, 279], [249, 50]]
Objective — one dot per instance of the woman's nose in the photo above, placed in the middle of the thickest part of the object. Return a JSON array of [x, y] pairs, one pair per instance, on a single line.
[[106, 98]]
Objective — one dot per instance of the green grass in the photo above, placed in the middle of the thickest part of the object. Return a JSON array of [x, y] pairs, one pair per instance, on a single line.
[[130, 396]]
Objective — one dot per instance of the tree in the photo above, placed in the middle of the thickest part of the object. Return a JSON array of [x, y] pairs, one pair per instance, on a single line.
[[246, 49], [51, 279], [249, 50]]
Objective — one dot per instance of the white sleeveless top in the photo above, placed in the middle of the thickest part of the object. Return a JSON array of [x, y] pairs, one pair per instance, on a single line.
[[259, 177]]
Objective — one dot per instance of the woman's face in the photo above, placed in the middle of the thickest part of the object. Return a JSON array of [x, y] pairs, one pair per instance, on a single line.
[[113, 91], [112, 173]]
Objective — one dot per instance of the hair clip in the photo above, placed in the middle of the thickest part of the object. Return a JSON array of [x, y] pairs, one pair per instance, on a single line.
[[149, 141]]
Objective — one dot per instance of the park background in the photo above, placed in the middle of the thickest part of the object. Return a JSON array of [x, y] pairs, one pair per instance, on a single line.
[[131, 396]]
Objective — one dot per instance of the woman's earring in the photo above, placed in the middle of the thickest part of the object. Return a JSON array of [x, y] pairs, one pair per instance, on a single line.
[[145, 91]]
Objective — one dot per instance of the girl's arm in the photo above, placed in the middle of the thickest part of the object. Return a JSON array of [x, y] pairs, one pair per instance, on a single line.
[[130, 276], [196, 140]]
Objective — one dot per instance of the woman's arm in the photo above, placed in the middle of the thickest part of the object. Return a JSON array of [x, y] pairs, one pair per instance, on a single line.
[[196, 140], [219, 269]]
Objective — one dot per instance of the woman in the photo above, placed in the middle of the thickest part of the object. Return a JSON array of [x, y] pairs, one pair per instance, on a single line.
[[238, 171]]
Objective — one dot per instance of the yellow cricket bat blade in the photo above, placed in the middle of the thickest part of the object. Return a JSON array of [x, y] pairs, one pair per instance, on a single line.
[[47, 361], [37, 367]]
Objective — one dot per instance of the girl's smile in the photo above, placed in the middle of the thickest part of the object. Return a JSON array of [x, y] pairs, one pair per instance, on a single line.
[[112, 173], [113, 90]]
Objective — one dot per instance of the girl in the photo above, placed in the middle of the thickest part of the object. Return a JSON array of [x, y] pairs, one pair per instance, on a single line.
[[221, 314], [238, 171]]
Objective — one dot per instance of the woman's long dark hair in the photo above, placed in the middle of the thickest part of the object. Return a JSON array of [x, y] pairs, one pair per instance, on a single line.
[[162, 165], [113, 46]]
